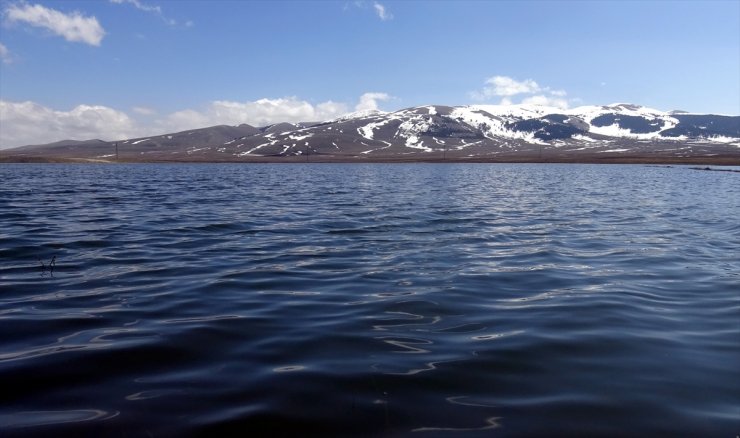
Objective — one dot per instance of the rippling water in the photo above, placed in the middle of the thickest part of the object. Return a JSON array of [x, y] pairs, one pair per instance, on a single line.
[[504, 300]]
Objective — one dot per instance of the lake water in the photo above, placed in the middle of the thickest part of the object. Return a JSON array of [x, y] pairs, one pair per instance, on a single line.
[[331, 299]]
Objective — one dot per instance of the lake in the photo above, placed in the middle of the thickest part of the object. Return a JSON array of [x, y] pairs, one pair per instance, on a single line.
[[379, 299]]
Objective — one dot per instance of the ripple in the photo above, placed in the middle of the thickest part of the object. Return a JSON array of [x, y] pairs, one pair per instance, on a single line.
[[44, 418], [340, 300]]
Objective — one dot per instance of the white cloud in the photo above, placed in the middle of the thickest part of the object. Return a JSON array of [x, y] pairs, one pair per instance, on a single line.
[[144, 111], [260, 112], [30, 123], [383, 13], [182, 120], [5, 54], [73, 26], [543, 100], [369, 101], [507, 88]]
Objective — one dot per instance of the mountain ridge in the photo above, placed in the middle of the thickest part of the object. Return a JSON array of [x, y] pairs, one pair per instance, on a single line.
[[483, 132]]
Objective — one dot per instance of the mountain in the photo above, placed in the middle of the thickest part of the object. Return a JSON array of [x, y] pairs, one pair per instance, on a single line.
[[437, 132]]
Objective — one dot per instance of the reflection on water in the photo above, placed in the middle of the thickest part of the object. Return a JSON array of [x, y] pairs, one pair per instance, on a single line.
[[372, 299]]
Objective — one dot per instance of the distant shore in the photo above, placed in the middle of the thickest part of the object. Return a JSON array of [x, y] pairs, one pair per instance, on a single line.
[[718, 160]]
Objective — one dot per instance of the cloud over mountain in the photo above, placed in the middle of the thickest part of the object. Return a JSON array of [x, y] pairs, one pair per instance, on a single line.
[[32, 123], [507, 88]]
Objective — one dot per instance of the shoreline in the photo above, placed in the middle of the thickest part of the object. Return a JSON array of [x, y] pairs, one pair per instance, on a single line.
[[719, 160]]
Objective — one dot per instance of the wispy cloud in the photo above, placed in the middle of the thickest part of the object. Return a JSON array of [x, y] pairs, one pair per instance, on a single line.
[[73, 26], [139, 5], [507, 88], [382, 12], [152, 9], [5, 54]]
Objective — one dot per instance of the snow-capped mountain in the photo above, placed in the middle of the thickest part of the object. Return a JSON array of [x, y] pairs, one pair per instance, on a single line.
[[437, 131]]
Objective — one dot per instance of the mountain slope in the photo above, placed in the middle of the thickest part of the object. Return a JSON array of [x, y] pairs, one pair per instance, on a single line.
[[463, 132]]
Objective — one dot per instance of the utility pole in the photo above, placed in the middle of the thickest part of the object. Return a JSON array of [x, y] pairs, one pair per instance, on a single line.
[[116, 151]]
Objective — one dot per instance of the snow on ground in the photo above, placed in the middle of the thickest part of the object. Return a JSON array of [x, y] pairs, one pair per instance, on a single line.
[[492, 119], [464, 145], [615, 131], [358, 115], [721, 139], [141, 141], [614, 150], [592, 111], [269, 143], [580, 137], [367, 130], [589, 112], [493, 124], [190, 151], [411, 130], [517, 111], [377, 149], [299, 137]]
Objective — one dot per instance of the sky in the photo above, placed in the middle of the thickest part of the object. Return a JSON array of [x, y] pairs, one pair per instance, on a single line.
[[114, 69]]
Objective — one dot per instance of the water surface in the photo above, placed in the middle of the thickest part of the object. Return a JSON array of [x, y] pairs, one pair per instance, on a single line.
[[497, 300]]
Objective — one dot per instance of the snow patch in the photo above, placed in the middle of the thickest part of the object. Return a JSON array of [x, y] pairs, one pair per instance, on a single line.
[[720, 139], [367, 130], [580, 137], [378, 149], [614, 150], [299, 137]]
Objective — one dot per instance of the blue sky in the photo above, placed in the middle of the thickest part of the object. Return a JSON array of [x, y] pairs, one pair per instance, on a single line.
[[120, 68]]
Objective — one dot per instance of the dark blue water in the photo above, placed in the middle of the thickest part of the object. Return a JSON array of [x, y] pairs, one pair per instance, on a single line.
[[497, 300]]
